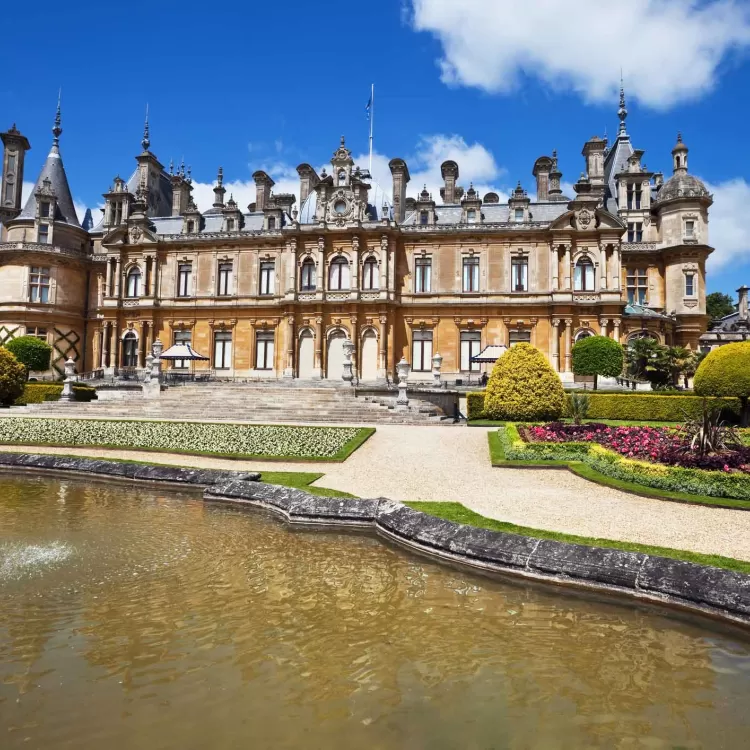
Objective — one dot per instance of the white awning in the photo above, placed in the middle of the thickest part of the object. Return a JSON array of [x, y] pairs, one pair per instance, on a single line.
[[490, 353], [182, 351]]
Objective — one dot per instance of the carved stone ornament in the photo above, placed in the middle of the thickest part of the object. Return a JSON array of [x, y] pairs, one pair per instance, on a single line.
[[585, 219], [135, 234]]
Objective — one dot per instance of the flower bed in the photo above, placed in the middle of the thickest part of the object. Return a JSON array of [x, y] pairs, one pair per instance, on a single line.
[[731, 483], [263, 441]]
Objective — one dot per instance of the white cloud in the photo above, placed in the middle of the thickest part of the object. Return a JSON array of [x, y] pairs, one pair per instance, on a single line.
[[669, 50], [727, 230]]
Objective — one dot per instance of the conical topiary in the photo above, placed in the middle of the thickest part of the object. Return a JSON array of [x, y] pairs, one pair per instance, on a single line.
[[523, 387]]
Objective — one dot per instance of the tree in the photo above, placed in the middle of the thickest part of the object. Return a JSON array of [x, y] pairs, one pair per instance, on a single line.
[[678, 361], [523, 387], [12, 377], [725, 372], [718, 305], [31, 352], [597, 355], [648, 360]]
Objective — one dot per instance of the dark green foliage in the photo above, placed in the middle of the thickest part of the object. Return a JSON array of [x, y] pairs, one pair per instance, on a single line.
[[726, 372], [598, 355], [33, 353], [475, 405], [12, 377], [37, 393], [718, 305]]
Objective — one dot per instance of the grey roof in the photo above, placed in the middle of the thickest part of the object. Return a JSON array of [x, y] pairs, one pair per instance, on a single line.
[[682, 185], [729, 324], [493, 213], [54, 171], [616, 162], [641, 311], [159, 200], [211, 223]]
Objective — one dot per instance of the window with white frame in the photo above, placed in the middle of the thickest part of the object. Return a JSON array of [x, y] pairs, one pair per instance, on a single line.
[[423, 275], [338, 276], [184, 280], [133, 286], [471, 342], [637, 286], [225, 280], [519, 274], [471, 274], [518, 214], [182, 338], [421, 351], [370, 274], [42, 235], [39, 284], [689, 229], [471, 216], [37, 332], [583, 275], [264, 350], [223, 350], [230, 225], [690, 286], [267, 274], [308, 276]]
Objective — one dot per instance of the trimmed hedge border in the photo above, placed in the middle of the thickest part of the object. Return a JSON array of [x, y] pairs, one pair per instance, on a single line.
[[717, 592], [245, 441], [39, 393], [646, 407]]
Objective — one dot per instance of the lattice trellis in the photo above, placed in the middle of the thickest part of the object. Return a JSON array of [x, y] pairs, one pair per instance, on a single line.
[[65, 345], [6, 334]]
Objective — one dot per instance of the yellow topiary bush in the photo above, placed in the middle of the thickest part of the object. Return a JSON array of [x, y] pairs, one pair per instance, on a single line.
[[523, 387], [12, 377], [726, 372]]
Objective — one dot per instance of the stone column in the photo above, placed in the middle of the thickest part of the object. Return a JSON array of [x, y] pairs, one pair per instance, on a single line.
[[108, 279], [566, 269], [603, 326], [391, 267], [104, 350], [118, 277], [615, 269], [616, 331], [155, 277], [321, 287], [556, 344], [554, 260], [318, 363], [289, 369], [100, 288], [141, 342], [149, 337], [568, 343], [253, 336], [355, 352], [292, 270], [603, 266], [383, 347], [355, 265]]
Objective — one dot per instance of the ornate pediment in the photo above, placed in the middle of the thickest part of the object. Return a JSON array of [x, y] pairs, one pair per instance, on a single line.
[[129, 235]]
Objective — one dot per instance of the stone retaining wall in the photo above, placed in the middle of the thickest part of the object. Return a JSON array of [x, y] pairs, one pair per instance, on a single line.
[[713, 591]]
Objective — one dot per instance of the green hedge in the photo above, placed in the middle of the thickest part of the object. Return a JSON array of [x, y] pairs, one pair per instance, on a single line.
[[612, 464], [38, 393], [651, 407]]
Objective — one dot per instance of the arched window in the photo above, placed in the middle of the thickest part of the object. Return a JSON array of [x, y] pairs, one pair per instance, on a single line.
[[308, 278], [130, 350], [339, 274], [370, 274], [583, 279], [134, 283], [581, 335], [642, 335]]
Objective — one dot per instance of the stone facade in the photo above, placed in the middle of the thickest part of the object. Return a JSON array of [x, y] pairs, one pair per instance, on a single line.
[[732, 328], [274, 291]]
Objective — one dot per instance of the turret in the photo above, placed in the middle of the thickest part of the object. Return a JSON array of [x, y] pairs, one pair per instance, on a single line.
[[15, 146]]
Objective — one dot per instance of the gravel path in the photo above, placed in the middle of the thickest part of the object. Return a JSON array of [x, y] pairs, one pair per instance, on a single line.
[[452, 464]]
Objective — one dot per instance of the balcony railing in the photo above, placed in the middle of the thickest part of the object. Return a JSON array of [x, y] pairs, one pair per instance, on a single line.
[[41, 247]]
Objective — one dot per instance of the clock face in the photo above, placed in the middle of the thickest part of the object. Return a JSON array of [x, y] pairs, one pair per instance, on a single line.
[[339, 207]]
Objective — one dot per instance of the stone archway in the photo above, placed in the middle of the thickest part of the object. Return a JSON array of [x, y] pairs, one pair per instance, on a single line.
[[369, 356], [130, 350], [306, 360], [335, 355]]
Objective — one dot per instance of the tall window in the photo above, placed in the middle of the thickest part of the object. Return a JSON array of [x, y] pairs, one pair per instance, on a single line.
[[9, 192], [470, 345], [519, 273], [690, 229], [191, 227], [637, 196], [370, 274], [424, 218], [637, 285], [423, 275], [39, 284], [43, 234], [518, 214], [690, 285], [182, 337], [44, 209], [11, 163], [267, 274], [264, 350], [133, 287], [339, 274], [223, 350], [184, 280], [471, 274], [635, 231], [583, 276], [272, 222], [308, 277], [421, 351], [225, 280], [471, 216], [230, 225]]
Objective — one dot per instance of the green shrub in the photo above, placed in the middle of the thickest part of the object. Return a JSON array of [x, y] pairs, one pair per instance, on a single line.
[[726, 372], [523, 387], [598, 355], [475, 405], [31, 352], [12, 377], [38, 393], [578, 405]]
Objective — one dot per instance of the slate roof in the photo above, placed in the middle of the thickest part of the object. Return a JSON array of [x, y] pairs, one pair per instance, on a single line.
[[616, 162], [493, 213], [641, 311]]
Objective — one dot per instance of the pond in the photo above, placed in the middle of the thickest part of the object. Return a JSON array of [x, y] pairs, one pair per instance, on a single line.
[[133, 617]]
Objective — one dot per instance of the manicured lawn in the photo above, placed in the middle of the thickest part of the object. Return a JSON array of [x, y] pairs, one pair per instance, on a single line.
[[461, 514], [301, 480], [610, 422], [497, 458]]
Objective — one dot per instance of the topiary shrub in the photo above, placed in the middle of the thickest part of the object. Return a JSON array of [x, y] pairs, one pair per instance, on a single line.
[[31, 352], [523, 387], [12, 377], [598, 355], [726, 372], [475, 405]]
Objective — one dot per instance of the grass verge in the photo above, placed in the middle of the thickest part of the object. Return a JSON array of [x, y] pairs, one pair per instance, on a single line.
[[497, 458], [610, 422], [461, 514]]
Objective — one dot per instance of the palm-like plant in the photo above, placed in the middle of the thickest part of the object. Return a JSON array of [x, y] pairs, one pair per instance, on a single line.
[[708, 433]]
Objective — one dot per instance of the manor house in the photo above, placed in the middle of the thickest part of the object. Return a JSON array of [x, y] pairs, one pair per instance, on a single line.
[[273, 289]]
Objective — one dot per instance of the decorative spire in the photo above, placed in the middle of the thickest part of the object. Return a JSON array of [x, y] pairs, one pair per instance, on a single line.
[[57, 130], [146, 142], [171, 167], [220, 177], [622, 112]]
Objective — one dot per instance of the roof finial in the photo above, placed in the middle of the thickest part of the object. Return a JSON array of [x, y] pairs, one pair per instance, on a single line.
[[679, 136], [146, 142], [57, 130], [171, 166], [220, 177], [342, 141], [622, 112]]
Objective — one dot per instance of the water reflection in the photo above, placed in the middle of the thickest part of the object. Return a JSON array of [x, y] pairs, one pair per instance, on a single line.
[[172, 624]]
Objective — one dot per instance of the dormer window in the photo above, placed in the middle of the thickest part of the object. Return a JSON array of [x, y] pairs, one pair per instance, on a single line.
[[518, 215], [424, 218], [271, 222], [471, 216], [230, 225], [44, 209], [191, 227]]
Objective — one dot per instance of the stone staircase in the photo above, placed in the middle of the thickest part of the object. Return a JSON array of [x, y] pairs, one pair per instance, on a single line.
[[216, 402]]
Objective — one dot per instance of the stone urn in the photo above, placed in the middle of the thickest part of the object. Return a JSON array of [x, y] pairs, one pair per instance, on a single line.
[[437, 363], [402, 370], [70, 378], [348, 374]]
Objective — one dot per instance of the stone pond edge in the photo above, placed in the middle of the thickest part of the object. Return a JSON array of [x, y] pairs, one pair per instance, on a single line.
[[719, 593]]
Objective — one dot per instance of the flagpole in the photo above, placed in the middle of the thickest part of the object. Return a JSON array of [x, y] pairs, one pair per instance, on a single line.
[[372, 117]]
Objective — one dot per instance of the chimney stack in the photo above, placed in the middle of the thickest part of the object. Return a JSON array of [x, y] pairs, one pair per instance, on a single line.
[[263, 185], [308, 179], [449, 171], [742, 307], [401, 178], [542, 169]]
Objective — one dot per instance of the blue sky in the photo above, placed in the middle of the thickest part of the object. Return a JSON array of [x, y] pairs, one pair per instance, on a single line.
[[269, 85]]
